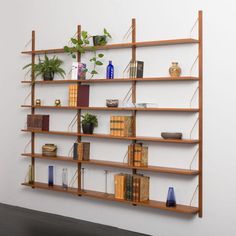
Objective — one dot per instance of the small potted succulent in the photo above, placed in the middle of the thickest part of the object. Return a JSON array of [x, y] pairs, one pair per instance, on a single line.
[[48, 67], [89, 122]]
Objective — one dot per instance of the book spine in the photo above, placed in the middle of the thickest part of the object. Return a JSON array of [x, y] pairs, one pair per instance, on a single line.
[[82, 96], [139, 69], [112, 125], [144, 158], [75, 151], [86, 151], [116, 187], [131, 154], [80, 151]]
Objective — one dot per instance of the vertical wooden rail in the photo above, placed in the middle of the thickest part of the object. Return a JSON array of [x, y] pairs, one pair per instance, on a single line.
[[134, 82], [79, 112], [32, 101], [200, 100]]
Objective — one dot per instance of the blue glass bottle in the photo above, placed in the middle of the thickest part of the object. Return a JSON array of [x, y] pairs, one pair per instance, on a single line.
[[110, 71], [171, 202], [50, 175]]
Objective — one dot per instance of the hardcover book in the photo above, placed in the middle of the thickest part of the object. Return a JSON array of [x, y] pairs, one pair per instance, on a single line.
[[136, 69], [78, 95]]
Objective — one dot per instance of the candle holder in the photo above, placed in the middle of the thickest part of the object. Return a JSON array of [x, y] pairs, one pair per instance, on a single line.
[[37, 102], [57, 102]]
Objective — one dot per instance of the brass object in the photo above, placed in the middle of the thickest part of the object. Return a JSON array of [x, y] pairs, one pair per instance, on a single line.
[[57, 102], [175, 70], [49, 150], [38, 102]]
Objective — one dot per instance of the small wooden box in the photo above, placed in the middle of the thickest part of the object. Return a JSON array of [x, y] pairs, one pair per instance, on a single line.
[[38, 122]]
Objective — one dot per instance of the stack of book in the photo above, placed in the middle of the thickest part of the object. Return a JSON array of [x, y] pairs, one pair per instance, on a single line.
[[81, 151], [136, 69], [138, 155], [78, 95], [121, 126], [132, 187]]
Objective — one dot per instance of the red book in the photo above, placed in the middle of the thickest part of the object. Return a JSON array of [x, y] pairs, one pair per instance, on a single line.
[[83, 96]]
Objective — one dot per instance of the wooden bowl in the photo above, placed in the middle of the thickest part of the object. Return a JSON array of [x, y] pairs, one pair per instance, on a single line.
[[169, 135]]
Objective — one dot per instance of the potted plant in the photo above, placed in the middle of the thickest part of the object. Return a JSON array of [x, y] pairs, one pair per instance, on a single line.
[[48, 67], [89, 122], [99, 40], [79, 45]]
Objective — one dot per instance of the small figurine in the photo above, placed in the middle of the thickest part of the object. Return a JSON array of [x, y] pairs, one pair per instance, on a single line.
[[38, 102], [57, 102]]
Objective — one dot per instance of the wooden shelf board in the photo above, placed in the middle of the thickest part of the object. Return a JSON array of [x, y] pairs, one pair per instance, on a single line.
[[115, 108], [115, 80], [158, 169], [120, 46], [100, 195], [108, 136]]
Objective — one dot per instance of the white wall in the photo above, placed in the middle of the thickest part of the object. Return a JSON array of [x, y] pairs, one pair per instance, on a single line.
[[54, 22]]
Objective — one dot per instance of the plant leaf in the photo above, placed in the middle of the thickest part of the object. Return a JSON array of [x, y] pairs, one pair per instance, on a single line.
[[98, 63], [100, 55]]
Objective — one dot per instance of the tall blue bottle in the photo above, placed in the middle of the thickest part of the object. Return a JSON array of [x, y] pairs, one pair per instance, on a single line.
[[50, 176], [110, 71], [171, 202]]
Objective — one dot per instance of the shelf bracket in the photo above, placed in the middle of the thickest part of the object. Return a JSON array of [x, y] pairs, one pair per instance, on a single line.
[[128, 33], [194, 157], [193, 65], [27, 97], [72, 123], [191, 132], [194, 26], [73, 179], [125, 156], [27, 145], [194, 194], [191, 100]]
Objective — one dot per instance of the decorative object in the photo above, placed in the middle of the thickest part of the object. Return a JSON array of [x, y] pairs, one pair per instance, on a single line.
[[112, 102], [136, 69], [81, 151], [64, 178], [38, 102], [169, 135], [141, 105], [175, 70], [110, 71], [171, 202], [38, 122], [57, 102], [121, 126], [48, 67], [50, 176], [31, 174], [49, 150], [79, 45], [89, 122], [78, 95], [78, 71]]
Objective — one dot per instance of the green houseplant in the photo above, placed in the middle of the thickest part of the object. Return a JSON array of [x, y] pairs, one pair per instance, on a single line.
[[89, 122], [48, 67], [79, 45]]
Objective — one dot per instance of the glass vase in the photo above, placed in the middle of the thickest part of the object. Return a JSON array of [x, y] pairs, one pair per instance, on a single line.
[[171, 202], [50, 176]]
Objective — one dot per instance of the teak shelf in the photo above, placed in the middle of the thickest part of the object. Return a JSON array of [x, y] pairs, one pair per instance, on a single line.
[[115, 108], [159, 169], [116, 80], [108, 136], [104, 196], [120, 46]]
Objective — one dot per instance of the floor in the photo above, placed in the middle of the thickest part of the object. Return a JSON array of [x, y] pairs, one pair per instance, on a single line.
[[16, 221]]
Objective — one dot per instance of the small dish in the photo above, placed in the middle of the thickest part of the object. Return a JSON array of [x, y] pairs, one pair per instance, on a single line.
[[169, 135], [112, 102]]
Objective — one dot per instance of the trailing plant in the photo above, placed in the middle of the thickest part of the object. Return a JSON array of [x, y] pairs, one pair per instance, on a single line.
[[47, 66], [89, 119], [79, 45]]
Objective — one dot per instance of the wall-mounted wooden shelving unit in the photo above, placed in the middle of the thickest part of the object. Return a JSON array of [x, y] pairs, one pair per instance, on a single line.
[[159, 169]]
